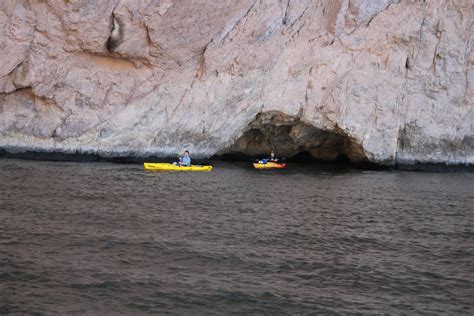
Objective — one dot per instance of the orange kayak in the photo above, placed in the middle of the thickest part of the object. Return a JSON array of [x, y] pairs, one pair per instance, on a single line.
[[269, 165]]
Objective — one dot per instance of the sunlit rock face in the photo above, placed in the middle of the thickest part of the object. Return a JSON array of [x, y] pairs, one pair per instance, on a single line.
[[380, 81]]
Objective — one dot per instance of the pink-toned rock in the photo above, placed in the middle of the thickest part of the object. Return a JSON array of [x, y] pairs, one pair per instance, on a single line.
[[384, 81]]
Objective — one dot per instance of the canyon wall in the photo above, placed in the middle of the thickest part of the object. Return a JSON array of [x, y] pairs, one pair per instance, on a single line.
[[383, 81]]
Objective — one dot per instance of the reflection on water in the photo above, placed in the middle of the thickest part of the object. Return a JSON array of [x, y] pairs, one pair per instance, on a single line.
[[109, 238]]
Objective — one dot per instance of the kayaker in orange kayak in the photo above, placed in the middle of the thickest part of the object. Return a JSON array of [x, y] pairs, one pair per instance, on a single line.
[[272, 157], [270, 163]]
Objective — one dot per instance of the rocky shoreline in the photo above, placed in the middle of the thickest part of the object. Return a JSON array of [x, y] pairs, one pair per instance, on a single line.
[[127, 158]]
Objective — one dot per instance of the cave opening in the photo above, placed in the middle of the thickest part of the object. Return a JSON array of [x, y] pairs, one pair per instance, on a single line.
[[295, 140], [303, 156]]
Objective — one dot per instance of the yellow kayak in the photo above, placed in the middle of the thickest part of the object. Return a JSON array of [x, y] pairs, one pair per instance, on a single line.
[[171, 167]]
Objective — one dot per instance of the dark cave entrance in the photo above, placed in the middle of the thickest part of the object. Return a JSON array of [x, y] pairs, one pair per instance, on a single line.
[[296, 140]]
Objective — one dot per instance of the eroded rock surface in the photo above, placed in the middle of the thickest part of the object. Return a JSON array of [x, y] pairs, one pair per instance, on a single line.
[[381, 81]]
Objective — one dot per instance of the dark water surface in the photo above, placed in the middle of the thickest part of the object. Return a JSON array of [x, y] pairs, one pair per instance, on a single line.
[[100, 238]]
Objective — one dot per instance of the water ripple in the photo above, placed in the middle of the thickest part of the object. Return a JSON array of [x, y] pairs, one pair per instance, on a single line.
[[102, 238]]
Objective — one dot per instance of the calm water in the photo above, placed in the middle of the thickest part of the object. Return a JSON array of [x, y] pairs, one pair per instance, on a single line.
[[99, 238]]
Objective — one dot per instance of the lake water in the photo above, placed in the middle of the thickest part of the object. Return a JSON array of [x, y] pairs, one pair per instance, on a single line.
[[102, 238]]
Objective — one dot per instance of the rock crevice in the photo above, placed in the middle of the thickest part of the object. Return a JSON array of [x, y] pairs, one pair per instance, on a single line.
[[116, 33]]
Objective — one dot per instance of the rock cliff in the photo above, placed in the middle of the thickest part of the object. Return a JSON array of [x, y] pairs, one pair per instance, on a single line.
[[383, 81]]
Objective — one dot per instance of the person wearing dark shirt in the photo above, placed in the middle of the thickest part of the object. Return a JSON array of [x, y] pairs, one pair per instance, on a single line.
[[273, 158]]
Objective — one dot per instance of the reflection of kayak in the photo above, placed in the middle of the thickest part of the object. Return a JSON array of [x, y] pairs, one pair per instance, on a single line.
[[171, 167], [269, 165]]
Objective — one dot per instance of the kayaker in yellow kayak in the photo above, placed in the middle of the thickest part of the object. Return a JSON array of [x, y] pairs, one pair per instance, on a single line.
[[184, 164], [185, 160]]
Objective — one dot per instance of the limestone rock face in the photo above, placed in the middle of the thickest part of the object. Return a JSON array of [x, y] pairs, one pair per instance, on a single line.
[[384, 81]]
